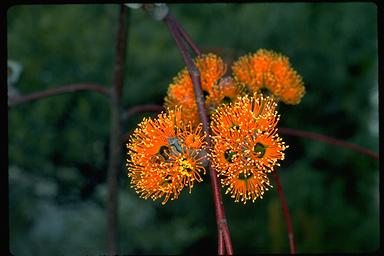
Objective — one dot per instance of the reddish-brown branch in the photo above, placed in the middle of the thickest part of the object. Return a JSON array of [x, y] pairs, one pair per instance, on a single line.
[[141, 109], [185, 35], [329, 140], [116, 133], [223, 231], [59, 90], [220, 243], [193, 72], [287, 217]]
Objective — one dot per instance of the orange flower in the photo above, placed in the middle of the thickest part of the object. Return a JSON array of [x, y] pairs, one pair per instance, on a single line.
[[223, 92], [246, 144], [286, 83], [253, 70], [164, 155], [211, 68], [216, 90], [180, 93], [270, 70], [245, 114], [246, 186]]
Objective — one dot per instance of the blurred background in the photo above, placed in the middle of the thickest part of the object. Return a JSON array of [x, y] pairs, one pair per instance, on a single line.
[[58, 146]]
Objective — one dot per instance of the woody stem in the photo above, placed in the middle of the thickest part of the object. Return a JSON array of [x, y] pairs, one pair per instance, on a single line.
[[185, 35], [223, 231], [116, 133], [58, 91], [287, 217], [329, 140]]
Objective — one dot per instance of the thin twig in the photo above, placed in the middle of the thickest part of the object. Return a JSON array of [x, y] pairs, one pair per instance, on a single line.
[[185, 35], [195, 77], [329, 140], [287, 217], [115, 136], [57, 91], [194, 74], [220, 243]]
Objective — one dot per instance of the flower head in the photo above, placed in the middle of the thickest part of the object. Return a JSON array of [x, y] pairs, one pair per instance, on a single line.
[[224, 91], [272, 71], [216, 88], [246, 145], [211, 68], [246, 185], [165, 155], [180, 93]]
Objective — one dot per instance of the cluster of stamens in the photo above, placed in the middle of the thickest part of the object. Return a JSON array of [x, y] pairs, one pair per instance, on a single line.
[[246, 145], [165, 155]]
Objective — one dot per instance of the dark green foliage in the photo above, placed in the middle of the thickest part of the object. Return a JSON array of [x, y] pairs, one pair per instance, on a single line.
[[58, 147]]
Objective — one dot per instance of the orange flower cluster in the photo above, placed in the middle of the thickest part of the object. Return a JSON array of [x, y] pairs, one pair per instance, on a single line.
[[246, 145], [253, 72], [270, 70], [165, 155]]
